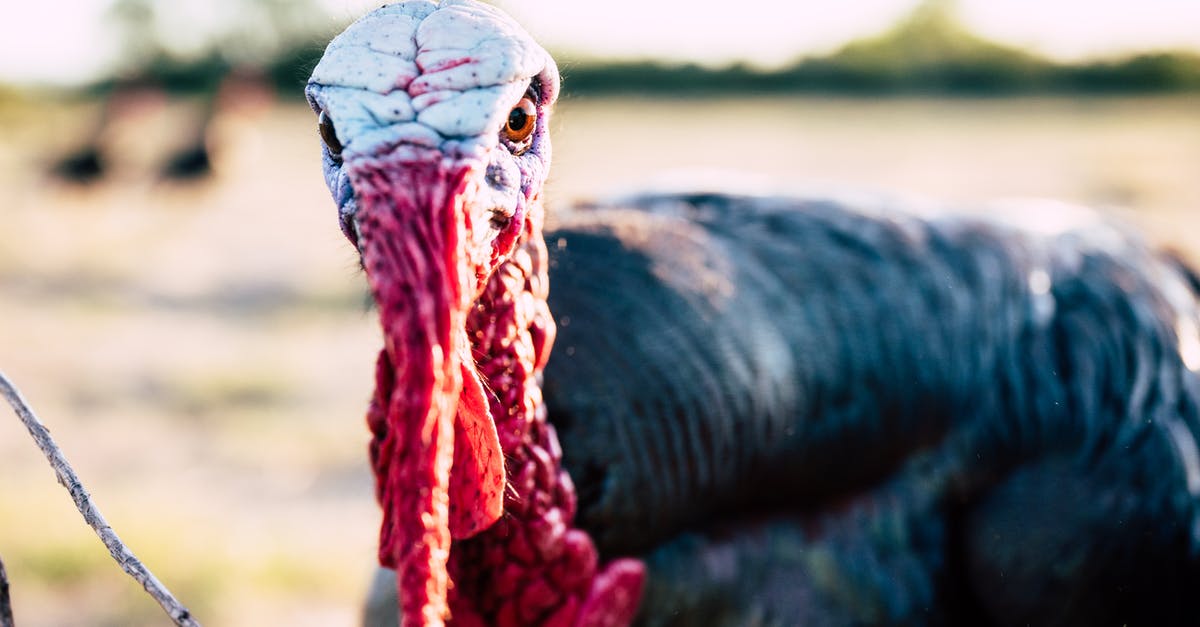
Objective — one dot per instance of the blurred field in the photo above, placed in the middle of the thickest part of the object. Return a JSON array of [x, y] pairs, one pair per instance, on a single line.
[[1135, 157], [203, 352]]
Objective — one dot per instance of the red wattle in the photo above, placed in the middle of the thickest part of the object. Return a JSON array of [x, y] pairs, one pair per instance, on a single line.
[[467, 332], [437, 459], [477, 476]]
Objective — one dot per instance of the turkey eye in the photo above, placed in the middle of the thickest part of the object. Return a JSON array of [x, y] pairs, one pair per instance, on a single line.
[[329, 136], [521, 121]]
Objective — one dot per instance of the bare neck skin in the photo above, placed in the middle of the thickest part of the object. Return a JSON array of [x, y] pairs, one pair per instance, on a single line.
[[533, 567]]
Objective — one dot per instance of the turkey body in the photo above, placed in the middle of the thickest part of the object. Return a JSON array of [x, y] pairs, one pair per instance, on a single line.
[[802, 413]]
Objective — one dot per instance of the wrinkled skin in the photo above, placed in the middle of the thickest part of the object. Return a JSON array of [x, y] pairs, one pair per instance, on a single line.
[[434, 123]]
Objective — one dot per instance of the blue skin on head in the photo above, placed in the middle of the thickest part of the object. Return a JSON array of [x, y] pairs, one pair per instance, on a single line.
[[425, 82]]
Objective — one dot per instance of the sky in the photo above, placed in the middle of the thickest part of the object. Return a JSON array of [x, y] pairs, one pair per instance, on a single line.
[[69, 41]]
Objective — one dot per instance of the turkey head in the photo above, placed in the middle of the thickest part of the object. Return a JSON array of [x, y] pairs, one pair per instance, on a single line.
[[433, 120]]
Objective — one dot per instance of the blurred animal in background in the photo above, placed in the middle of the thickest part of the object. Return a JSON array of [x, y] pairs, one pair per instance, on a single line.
[[84, 163], [93, 159], [190, 142], [759, 410], [232, 72]]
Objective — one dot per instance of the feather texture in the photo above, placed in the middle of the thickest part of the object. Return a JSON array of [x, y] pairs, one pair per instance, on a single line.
[[816, 413]]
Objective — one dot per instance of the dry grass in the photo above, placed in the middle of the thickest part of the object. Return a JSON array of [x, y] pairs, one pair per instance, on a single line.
[[203, 355]]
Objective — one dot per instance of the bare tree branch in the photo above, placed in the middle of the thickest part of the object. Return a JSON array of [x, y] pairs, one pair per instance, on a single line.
[[6, 617], [83, 502]]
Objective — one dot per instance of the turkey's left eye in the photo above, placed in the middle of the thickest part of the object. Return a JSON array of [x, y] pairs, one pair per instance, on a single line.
[[329, 136], [521, 121]]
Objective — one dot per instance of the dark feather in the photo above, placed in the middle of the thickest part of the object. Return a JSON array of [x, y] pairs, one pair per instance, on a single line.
[[800, 412]]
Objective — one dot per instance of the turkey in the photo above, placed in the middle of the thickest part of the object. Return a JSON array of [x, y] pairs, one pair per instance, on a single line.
[[759, 410]]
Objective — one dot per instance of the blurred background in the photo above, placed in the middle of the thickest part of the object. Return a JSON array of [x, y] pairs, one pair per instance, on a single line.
[[177, 302]]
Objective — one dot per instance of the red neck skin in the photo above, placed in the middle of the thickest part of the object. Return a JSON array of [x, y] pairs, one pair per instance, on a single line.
[[533, 567], [443, 475], [404, 240]]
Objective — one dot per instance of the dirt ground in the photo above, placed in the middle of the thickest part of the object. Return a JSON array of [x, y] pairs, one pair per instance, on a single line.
[[203, 351]]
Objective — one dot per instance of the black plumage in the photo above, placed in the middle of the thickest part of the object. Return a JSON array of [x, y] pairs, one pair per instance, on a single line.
[[804, 413]]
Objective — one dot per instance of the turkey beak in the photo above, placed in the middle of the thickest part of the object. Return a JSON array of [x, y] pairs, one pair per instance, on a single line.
[[437, 459]]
